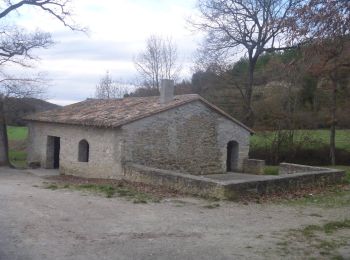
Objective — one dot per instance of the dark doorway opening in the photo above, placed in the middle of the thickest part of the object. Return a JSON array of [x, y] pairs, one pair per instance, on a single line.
[[56, 156], [53, 152], [232, 156]]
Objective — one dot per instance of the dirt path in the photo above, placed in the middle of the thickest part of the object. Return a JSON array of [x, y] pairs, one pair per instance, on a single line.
[[38, 223]]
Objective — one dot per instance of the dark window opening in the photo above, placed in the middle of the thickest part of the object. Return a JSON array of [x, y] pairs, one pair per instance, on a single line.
[[232, 156], [83, 155]]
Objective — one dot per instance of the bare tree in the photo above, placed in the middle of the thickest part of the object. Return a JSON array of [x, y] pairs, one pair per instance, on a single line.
[[158, 61], [252, 26], [108, 88], [323, 26], [16, 48]]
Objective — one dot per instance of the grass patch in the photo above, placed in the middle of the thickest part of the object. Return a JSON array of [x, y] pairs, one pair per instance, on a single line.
[[336, 197], [212, 206], [332, 196], [17, 133], [18, 158], [309, 230], [331, 227], [52, 186], [316, 241], [17, 155], [271, 170], [108, 191], [328, 228], [345, 168]]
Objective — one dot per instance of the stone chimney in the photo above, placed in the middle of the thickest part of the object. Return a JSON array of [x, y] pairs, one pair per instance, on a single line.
[[166, 91]]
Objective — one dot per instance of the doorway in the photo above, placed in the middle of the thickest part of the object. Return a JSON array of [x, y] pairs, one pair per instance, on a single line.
[[53, 152], [232, 156]]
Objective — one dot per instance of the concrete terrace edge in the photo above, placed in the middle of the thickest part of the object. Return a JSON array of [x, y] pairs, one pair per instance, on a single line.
[[207, 187]]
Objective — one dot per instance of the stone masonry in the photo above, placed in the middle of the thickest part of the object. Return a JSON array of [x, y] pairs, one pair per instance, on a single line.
[[98, 138], [190, 139], [104, 149]]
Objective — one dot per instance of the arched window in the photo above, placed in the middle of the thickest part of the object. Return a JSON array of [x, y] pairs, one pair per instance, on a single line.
[[232, 156], [83, 155]]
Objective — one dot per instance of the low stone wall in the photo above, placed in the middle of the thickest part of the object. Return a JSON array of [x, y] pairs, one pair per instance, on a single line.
[[186, 183], [288, 183], [231, 188], [253, 166], [290, 168]]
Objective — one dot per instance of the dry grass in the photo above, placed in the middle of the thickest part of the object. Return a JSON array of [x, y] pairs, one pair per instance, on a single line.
[[122, 188]]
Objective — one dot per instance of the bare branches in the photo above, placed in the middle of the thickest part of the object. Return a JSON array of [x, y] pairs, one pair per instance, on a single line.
[[16, 45], [255, 26], [324, 29], [60, 9], [158, 61], [109, 88], [321, 20], [19, 86]]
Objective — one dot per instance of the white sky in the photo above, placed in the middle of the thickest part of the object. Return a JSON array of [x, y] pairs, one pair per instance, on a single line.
[[117, 31]]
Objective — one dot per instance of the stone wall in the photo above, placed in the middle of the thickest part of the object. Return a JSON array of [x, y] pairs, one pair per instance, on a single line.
[[290, 168], [185, 183], [233, 188], [253, 166], [190, 139], [104, 149]]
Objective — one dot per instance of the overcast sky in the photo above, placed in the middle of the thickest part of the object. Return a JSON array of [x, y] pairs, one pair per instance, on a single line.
[[117, 31]]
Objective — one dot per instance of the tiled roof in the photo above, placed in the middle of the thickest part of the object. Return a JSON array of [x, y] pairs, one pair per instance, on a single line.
[[116, 112]]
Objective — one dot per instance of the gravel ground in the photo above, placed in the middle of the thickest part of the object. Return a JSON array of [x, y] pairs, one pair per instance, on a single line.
[[38, 223]]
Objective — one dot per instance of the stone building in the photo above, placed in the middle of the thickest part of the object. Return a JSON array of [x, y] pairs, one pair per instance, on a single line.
[[99, 138]]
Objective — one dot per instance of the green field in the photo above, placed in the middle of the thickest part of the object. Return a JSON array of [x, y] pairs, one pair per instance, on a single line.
[[17, 137], [313, 138], [316, 137], [17, 133]]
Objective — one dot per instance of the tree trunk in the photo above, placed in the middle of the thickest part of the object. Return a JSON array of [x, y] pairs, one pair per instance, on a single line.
[[4, 148], [333, 121], [249, 93]]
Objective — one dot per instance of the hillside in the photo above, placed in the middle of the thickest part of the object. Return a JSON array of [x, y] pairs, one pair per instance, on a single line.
[[17, 108]]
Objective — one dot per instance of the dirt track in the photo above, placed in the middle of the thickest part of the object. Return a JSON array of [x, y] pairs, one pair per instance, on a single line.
[[38, 223]]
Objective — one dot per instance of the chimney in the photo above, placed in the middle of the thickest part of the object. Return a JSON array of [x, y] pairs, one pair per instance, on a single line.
[[166, 91]]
